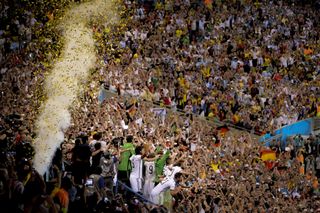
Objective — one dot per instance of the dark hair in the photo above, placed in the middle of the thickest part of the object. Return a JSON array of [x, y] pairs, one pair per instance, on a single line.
[[77, 142], [107, 156], [84, 139], [97, 136], [168, 159], [66, 183], [177, 175], [129, 139], [117, 141], [97, 146], [138, 150]]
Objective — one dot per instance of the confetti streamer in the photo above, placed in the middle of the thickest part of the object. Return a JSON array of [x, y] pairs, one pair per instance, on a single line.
[[66, 78]]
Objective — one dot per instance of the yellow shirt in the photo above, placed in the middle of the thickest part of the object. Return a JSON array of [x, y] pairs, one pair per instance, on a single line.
[[205, 72], [196, 101], [181, 81], [256, 108], [179, 33], [236, 118], [267, 62], [215, 167], [158, 5], [184, 98]]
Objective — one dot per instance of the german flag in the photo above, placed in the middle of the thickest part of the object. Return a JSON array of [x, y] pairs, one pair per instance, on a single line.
[[268, 155], [223, 129]]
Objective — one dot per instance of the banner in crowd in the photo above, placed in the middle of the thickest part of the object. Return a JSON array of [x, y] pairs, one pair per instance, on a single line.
[[304, 127]]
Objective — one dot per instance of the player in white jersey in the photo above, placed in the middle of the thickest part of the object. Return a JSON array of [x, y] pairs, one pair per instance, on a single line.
[[136, 172], [167, 183], [173, 167], [170, 171], [150, 175]]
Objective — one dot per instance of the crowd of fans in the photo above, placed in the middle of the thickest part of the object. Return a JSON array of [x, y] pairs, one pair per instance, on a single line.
[[245, 63], [253, 63]]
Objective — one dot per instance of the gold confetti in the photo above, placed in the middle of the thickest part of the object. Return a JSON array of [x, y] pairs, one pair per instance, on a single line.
[[64, 82]]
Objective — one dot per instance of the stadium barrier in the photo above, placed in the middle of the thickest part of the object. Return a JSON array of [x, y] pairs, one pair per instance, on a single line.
[[128, 189], [303, 127]]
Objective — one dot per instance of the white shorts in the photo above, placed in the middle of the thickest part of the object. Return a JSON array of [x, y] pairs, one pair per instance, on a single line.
[[147, 188], [168, 184], [136, 183]]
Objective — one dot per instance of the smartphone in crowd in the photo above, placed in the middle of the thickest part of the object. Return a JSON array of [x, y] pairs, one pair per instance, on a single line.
[[89, 182]]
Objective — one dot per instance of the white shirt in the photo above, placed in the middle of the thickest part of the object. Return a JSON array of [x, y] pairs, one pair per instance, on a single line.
[[123, 125], [234, 64], [150, 170], [139, 121], [136, 163], [103, 144], [167, 183], [170, 171], [284, 61], [194, 25], [201, 24], [193, 147]]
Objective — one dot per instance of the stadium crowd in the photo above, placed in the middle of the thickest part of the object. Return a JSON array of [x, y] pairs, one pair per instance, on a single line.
[[253, 63]]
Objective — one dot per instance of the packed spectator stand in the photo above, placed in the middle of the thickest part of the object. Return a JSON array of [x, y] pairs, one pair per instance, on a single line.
[[154, 129]]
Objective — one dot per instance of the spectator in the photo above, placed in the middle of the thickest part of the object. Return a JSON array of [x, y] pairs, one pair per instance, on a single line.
[[61, 196], [108, 167]]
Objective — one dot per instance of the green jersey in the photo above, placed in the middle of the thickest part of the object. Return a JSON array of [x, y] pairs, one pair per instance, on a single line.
[[160, 163], [124, 158]]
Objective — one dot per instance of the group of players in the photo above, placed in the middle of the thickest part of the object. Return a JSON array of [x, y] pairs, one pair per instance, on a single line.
[[150, 175]]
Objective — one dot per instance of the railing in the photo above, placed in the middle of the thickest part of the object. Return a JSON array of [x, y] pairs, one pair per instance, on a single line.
[[128, 189]]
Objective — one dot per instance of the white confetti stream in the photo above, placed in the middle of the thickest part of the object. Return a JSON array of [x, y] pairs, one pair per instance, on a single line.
[[68, 75]]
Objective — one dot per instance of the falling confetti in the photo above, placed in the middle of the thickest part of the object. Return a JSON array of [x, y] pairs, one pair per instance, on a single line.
[[64, 82]]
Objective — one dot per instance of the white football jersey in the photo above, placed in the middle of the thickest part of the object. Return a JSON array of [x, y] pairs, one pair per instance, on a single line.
[[150, 170], [170, 171], [136, 164]]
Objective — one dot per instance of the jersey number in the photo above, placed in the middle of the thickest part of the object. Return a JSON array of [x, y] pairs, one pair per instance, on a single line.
[[150, 169]]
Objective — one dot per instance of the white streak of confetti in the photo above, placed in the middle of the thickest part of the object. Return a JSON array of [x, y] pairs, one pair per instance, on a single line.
[[68, 75]]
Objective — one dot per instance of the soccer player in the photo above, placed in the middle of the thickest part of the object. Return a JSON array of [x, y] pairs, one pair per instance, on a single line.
[[167, 183], [136, 173], [150, 175]]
